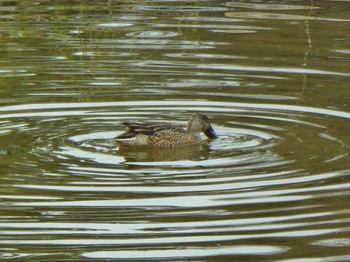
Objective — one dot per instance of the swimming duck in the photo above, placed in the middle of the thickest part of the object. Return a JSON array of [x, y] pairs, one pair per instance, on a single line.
[[166, 135]]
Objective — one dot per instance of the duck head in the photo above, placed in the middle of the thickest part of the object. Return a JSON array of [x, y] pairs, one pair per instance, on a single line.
[[200, 123]]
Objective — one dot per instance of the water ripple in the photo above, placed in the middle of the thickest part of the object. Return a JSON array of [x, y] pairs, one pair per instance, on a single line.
[[247, 157]]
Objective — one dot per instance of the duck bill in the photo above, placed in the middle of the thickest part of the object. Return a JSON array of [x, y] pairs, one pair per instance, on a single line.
[[210, 133]]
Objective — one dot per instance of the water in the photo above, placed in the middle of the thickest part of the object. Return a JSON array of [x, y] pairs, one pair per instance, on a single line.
[[272, 76]]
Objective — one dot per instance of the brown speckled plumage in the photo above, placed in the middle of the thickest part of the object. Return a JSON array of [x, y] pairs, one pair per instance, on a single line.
[[166, 135]]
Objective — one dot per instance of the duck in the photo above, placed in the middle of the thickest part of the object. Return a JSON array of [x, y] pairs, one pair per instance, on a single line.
[[166, 135]]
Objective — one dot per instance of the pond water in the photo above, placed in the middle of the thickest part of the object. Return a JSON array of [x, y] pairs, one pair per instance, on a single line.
[[273, 76]]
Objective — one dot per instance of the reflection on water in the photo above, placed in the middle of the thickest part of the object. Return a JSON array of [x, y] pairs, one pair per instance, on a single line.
[[273, 78], [195, 153]]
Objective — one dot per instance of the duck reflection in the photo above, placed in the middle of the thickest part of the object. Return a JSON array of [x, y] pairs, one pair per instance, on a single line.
[[195, 153]]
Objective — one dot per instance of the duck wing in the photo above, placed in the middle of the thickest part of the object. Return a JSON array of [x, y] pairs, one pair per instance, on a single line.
[[147, 128]]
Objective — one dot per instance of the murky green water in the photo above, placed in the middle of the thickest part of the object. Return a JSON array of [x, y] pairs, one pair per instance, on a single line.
[[272, 75]]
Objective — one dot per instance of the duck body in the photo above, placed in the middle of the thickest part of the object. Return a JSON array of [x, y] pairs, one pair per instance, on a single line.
[[166, 135]]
